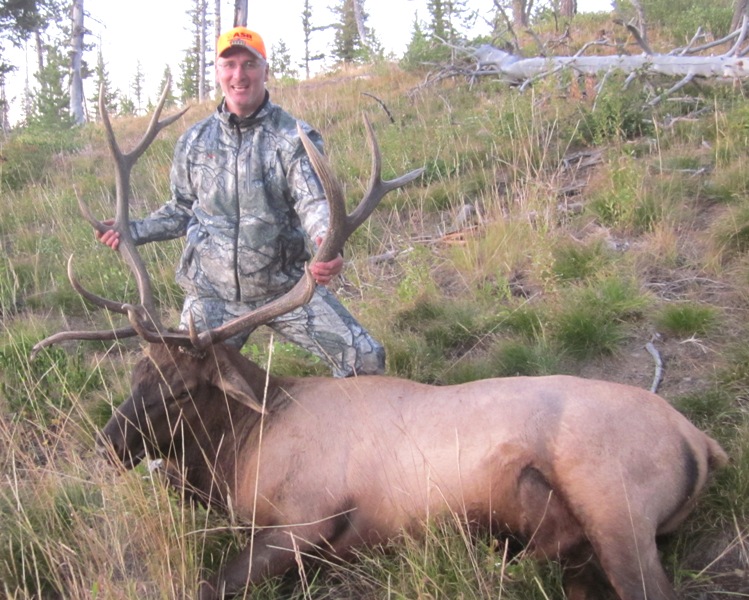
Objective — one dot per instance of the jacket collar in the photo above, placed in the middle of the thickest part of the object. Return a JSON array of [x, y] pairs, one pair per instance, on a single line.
[[232, 120]]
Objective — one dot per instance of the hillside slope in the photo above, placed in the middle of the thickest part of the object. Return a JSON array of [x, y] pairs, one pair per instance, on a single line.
[[552, 232]]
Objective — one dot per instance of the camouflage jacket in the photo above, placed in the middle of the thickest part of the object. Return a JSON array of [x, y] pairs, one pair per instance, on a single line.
[[244, 193]]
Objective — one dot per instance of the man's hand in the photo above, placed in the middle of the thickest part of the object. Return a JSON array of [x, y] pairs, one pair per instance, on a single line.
[[109, 238], [324, 272]]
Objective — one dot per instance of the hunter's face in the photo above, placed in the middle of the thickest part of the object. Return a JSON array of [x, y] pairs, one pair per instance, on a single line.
[[242, 76]]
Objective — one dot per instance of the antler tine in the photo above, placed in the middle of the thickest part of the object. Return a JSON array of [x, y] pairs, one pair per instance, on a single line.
[[155, 126], [377, 186], [124, 163], [337, 236], [147, 317], [106, 334], [99, 301], [340, 228], [297, 296], [64, 336]]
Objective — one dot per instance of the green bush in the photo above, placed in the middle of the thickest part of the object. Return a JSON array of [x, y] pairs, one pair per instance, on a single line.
[[591, 321], [686, 319], [576, 262], [617, 114], [28, 156], [41, 387]]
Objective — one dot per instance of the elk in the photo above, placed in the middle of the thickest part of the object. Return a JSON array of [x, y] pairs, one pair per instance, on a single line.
[[582, 471]]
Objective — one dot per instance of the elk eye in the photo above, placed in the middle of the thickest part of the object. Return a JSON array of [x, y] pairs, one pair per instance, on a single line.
[[183, 397]]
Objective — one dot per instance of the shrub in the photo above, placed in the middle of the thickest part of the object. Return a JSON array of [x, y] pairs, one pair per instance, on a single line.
[[686, 319]]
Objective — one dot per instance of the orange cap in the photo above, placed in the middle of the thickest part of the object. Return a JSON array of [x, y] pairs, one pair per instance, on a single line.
[[241, 36]]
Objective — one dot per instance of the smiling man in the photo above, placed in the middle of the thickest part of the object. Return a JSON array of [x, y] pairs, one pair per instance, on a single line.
[[244, 194], [242, 70]]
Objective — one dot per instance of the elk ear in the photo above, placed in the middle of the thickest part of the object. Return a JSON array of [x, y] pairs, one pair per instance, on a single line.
[[234, 386]]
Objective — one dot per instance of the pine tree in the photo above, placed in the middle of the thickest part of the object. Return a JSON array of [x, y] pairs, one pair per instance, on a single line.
[[166, 78], [308, 30], [76, 47], [4, 119], [280, 61], [127, 106], [348, 46], [421, 49], [195, 65], [188, 82], [136, 87], [18, 20], [434, 41], [440, 26], [51, 104], [102, 81]]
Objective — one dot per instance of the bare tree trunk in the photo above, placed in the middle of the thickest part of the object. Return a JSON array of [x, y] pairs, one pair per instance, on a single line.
[[741, 9], [240, 13], [39, 50], [4, 120], [203, 7], [217, 19], [568, 8], [76, 60], [519, 13], [361, 30], [724, 67], [641, 23], [216, 35]]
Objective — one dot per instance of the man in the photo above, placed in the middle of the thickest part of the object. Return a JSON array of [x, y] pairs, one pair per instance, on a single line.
[[244, 193]]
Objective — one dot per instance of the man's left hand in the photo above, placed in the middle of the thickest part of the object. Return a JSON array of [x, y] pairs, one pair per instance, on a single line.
[[324, 272]]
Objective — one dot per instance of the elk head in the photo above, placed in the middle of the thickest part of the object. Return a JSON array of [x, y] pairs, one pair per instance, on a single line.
[[182, 368]]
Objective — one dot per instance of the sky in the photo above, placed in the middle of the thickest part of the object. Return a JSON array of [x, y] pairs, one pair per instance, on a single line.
[[155, 32]]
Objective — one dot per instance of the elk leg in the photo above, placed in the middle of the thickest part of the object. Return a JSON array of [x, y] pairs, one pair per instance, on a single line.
[[553, 532], [634, 569], [273, 552], [583, 578]]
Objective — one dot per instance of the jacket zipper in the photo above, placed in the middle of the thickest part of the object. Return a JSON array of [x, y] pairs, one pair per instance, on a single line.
[[238, 293]]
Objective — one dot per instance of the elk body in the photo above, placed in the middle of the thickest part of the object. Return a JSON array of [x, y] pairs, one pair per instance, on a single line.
[[585, 472]]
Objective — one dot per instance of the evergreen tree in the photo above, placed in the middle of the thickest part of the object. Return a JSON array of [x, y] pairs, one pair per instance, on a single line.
[[77, 71], [166, 78], [446, 17], [18, 20], [4, 119], [127, 106], [195, 65], [280, 61], [51, 103], [348, 46], [188, 82], [421, 49], [136, 87], [433, 42], [102, 81], [308, 30]]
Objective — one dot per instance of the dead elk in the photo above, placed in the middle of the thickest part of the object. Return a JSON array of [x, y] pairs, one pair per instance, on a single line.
[[586, 472]]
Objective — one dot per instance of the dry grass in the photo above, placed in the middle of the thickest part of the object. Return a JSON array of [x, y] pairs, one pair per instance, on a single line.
[[630, 237]]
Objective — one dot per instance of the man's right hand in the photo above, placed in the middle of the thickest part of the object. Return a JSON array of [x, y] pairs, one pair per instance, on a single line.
[[109, 238]]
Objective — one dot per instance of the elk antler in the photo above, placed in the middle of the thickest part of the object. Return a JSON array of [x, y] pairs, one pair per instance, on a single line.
[[340, 228], [143, 318], [124, 163]]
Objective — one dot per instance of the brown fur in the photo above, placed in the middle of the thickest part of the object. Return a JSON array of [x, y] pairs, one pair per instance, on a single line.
[[585, 472]]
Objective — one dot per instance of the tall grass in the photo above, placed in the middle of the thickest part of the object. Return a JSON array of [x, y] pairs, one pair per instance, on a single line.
[[657, 250]]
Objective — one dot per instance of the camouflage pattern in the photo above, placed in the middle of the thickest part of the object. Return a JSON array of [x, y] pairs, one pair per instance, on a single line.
[[244, 194], [323, 327]]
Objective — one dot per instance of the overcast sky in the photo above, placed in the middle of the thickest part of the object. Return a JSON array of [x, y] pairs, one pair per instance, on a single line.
[[156, 32]]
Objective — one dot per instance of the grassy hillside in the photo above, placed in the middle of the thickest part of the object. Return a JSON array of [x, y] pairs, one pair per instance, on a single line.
[[553, 231]]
